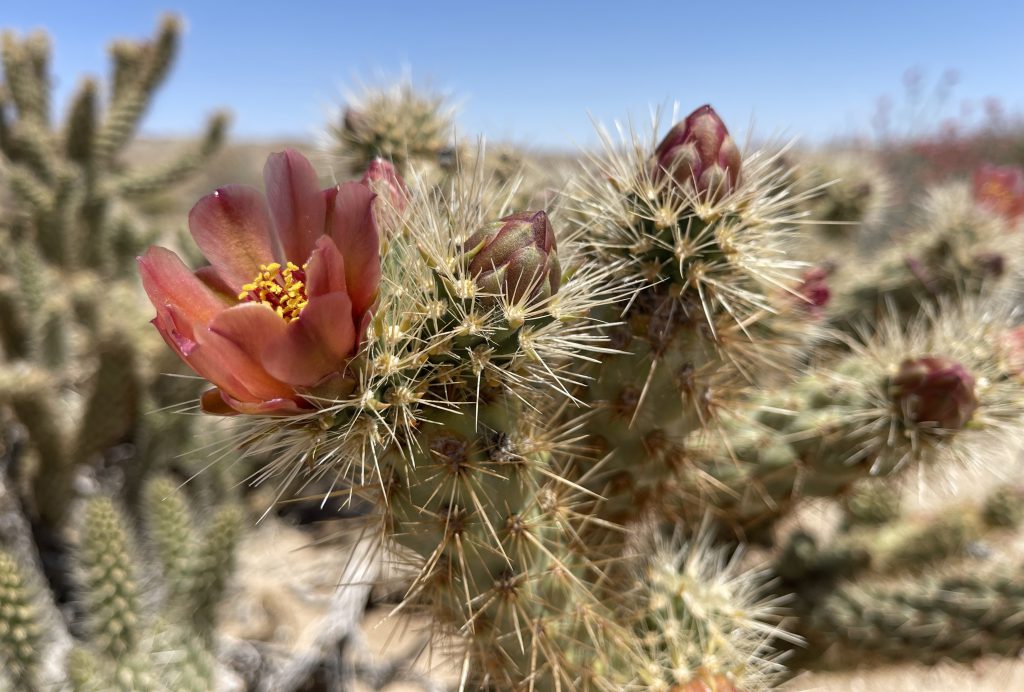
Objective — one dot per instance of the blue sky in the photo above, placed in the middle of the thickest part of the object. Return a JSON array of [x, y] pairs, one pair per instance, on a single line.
[[531, 72]]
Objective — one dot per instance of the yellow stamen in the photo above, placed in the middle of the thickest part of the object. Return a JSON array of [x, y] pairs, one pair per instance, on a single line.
[[284, 290]]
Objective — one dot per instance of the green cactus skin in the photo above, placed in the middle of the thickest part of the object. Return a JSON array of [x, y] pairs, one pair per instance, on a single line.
[[210, 568], [400, 123], [929, 620], [871, 504], [68, 294], [21, 635], [478, 503], [911, 545], [108, 579]]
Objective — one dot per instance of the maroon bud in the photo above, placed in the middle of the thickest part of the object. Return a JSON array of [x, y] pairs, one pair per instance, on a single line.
[[699, 151], [934, 390], [814, 290], [516, 257], [991, 263], [382, 178]]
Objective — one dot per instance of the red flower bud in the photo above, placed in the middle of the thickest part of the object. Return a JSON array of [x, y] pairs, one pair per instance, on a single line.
[[937, 390], [699, 151], [381, 177], [516, 257], [814, 290]]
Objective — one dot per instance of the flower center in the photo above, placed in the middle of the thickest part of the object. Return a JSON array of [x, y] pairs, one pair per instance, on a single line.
[[284, 290]]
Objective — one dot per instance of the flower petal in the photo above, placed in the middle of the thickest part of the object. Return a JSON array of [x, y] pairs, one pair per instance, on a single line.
[[325, 272], [233, 229], [207, 361], [296, 202], [168, 281], [211, 401], [240, 336], [316, 345], [354, 229], [216, 283], [216, 402]]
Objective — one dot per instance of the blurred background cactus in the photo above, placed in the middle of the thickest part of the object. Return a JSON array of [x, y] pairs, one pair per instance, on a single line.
[[675, 413]]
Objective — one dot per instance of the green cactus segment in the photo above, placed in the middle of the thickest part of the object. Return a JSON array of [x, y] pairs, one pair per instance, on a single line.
[[957, 248], [481, 504], [871, 503], [703, 623], [930, 620], [68, 292], [108, 579], [167, 645], [910, 545], [879, 410], [211, 568], [169, 527], [716, 304], [21, 632], [404, 125], [87, 672]]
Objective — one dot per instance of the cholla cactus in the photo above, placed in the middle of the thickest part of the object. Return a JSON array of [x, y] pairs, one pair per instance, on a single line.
[[135, 632], [703, 622], [957, 617], [427, 349], [704, 235], [958, 246], [21, 632], [850, 195], [70, 304], [438, 414], [400, 123], [885, 407]]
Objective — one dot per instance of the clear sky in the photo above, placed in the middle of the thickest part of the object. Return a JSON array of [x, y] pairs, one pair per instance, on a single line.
[[531, 72]]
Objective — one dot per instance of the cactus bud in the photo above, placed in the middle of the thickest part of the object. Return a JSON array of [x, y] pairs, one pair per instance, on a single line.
[[381, 177], [932, 389], [990, 264], [699, 151], [814, 290], [516, 257]]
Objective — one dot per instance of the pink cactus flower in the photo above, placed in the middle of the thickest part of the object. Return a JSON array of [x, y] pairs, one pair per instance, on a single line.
[[292, 282], [700, 152], [1000, 188]]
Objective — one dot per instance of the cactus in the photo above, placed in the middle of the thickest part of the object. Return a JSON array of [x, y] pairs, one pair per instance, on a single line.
[[955, 617], [129, 641], [21, 632], [401, 124], [717, 302], [446, 389], [703, 622], [69, 299], [956, 246], [912, 545], [828, 430]]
